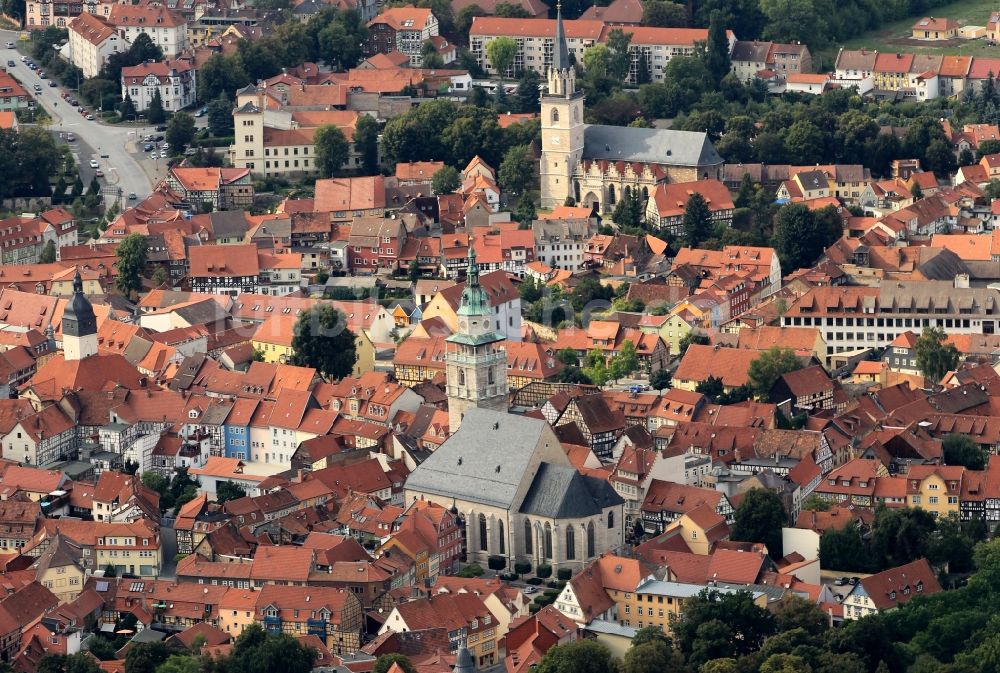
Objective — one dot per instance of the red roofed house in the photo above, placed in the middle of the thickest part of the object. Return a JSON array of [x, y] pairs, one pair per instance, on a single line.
[[669, 200], [223, 188], [930, 28], [402, 29], [224, 269], [175, 81], [92, 40], [889, 589], [166, 28], [462, 614]]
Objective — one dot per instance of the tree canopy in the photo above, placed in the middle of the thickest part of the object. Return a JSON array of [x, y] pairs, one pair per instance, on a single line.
[[131, 254], [935, 358], [760, 518], [322, 340]]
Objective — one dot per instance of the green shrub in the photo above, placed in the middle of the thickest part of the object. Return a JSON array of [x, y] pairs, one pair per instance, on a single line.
[[497, 562], [544, 571], [522, 567], [564, 573], [533, 581]]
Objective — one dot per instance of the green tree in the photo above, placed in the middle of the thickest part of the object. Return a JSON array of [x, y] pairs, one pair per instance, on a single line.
[[628, 212], [722, 625], [501, 52], [180, 131], [805, 143], [517, 170], [525, 212], [597, 368], [624, 362], [689, 339], [385, 662], [760, 518], [581, 656], [102, 648], [901, 535], [843, 549], [814, 503], [660, 379], [48, 254], [180, 663], [466, 15], [146, 657], [155, 113], [220, 115], [796, 612], [697, 220], [366, 143], [935, 358], [769, 366], [797, 237], [446, 180], [960, 449], [655, 656], [619, 60], [664, 14], [993, 189], [221, 76], [131, 254], [717, 49], [127, 108], [228, 490], [785, 663], [323, 341], [332, 150], [160, 276]]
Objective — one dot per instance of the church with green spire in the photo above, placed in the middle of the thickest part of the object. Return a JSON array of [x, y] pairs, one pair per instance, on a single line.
[[476, 360]]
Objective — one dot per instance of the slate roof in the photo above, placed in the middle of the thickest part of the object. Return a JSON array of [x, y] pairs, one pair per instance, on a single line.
[[465, 466], [654, 146], [559, 492]]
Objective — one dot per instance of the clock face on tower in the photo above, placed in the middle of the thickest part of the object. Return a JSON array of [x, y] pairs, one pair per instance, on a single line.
[[556, 140]]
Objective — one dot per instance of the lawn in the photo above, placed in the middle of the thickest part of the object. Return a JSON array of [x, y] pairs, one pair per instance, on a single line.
[[966, 12]]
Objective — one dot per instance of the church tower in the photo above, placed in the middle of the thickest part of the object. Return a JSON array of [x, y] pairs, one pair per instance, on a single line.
[[79, 324], [476, 360], [562, 124]]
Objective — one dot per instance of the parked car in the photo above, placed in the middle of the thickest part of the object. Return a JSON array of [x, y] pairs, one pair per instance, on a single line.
[[90, 118], [528, 590], [132, 196], [94, 164], [70, 138], [148, 147], [201, 112], [11, 64], [10, 45], [42, 75], [99, 173], [65, 95], [161, 128], [52, 83], [157, 138], [190, 152]]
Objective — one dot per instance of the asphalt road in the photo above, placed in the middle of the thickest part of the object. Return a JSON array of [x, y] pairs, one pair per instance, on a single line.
[[121, 165]]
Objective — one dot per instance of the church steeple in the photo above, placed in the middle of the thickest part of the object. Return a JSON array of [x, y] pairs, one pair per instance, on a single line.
[[475, 361], [79, 324], [560, 51], [561, 76]]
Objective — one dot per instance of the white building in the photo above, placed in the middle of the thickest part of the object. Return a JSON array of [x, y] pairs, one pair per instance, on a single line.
[[175, 80], [560, 243], [92, 40], [166, 29]]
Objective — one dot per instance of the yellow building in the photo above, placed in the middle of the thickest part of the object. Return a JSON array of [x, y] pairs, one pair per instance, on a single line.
[[60, 569], [671, 328], [237, 610], [273, 340], [935, 488], [700, 528], [659, 603]]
